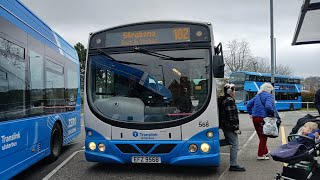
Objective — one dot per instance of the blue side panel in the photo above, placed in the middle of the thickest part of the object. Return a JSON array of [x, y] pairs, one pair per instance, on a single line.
[[179, 155], [26, 141]]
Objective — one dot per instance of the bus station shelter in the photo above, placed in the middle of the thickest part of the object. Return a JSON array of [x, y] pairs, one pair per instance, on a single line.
[[308, 26]]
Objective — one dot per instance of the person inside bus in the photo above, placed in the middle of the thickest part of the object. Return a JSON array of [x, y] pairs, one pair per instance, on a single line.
[[259, 107], [317, 100], [184, 103], [229, 123]]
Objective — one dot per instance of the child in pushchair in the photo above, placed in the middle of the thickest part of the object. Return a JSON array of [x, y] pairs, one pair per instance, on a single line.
[[301, 153]]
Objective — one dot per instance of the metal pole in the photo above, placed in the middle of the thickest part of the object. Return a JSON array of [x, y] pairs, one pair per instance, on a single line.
[[275, 55], [272, 49], [163, 80]]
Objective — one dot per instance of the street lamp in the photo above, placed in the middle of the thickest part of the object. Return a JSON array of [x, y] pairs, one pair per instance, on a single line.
[[162, 75]]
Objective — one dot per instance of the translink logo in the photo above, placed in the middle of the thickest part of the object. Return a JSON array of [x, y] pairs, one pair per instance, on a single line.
[[135, 134]]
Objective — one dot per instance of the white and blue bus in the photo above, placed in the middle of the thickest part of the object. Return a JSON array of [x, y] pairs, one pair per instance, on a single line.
[[287, 89], [150, 94], [39, 90]]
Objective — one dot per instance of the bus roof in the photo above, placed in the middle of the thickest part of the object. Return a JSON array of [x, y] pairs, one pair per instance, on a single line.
[[267, 74], [32, 22]]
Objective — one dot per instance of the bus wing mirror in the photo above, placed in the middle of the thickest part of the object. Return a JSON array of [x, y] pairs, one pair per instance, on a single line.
[[218, 62], [218, 66]]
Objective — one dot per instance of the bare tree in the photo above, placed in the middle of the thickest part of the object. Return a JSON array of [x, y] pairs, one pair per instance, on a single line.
[[284, 69], [237, 55], [258, 64]]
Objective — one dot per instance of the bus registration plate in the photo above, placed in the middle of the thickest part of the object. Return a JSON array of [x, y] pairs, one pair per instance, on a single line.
[[146, 159]]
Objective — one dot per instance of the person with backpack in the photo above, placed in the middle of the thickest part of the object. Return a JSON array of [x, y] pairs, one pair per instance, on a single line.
[[317, 100], [229, 123], [259, 107]]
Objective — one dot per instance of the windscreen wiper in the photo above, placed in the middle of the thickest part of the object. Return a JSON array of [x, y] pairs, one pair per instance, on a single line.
[[123, 62], [162, 56]]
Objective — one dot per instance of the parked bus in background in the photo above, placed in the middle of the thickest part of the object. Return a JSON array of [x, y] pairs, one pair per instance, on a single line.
[[151, 94], [287, 89], [39, 90]]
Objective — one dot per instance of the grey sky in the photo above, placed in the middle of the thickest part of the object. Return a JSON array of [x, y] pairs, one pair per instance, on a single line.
[[231, 19]]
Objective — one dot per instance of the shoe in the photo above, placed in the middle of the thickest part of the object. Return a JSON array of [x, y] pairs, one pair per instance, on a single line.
[[268, 154], [237, 168], [264, 157]]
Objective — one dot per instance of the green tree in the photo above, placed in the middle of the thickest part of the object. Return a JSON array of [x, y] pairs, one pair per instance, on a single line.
[[82, 52]]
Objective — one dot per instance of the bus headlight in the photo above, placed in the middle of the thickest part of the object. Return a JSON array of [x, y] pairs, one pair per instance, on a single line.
[[101, 147], [193, 148], [92, 146], [89, 133], [210, 134], [205, 147]]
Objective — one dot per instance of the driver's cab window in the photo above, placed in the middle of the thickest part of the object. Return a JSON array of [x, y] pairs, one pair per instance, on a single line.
[[104, 83]]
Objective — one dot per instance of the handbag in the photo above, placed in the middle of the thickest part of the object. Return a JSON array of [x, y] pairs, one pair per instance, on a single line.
[[270, 127]]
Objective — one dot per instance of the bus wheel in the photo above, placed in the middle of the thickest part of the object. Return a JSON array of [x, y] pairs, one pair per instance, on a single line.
[[291, 107], [55, 142]]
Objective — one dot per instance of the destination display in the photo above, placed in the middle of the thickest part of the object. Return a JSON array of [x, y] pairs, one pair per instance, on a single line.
[[150, 34], [155, 36]]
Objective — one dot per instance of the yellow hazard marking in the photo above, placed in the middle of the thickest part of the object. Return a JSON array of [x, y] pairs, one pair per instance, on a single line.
[[284, 140]]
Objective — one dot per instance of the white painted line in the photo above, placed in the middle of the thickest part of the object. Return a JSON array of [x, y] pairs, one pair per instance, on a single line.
[[248, 141], [61, 165], [244, 146]]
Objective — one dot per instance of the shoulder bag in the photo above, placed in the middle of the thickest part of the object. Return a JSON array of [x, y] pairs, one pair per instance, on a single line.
[[270, 127]]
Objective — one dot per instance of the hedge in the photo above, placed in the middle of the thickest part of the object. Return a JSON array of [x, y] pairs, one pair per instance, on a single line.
[[307, 97]]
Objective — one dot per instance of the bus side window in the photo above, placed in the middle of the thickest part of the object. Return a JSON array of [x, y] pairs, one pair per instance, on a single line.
[[247, 77], [252, 78], [284, 96], [268, 79], [290, 96], [290, 81], [259, 78], [278, 96], [4, 87], [284, 80]]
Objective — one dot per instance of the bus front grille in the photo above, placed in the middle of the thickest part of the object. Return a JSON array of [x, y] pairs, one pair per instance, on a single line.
[[163, 148], [145, 147], [127, 148]]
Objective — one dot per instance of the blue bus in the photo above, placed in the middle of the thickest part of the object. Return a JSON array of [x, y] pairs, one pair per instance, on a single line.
[[39, 90], [287, 89], [151, 94]]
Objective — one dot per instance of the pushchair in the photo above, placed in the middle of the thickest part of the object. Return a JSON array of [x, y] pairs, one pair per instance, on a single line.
[[302, 154]]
